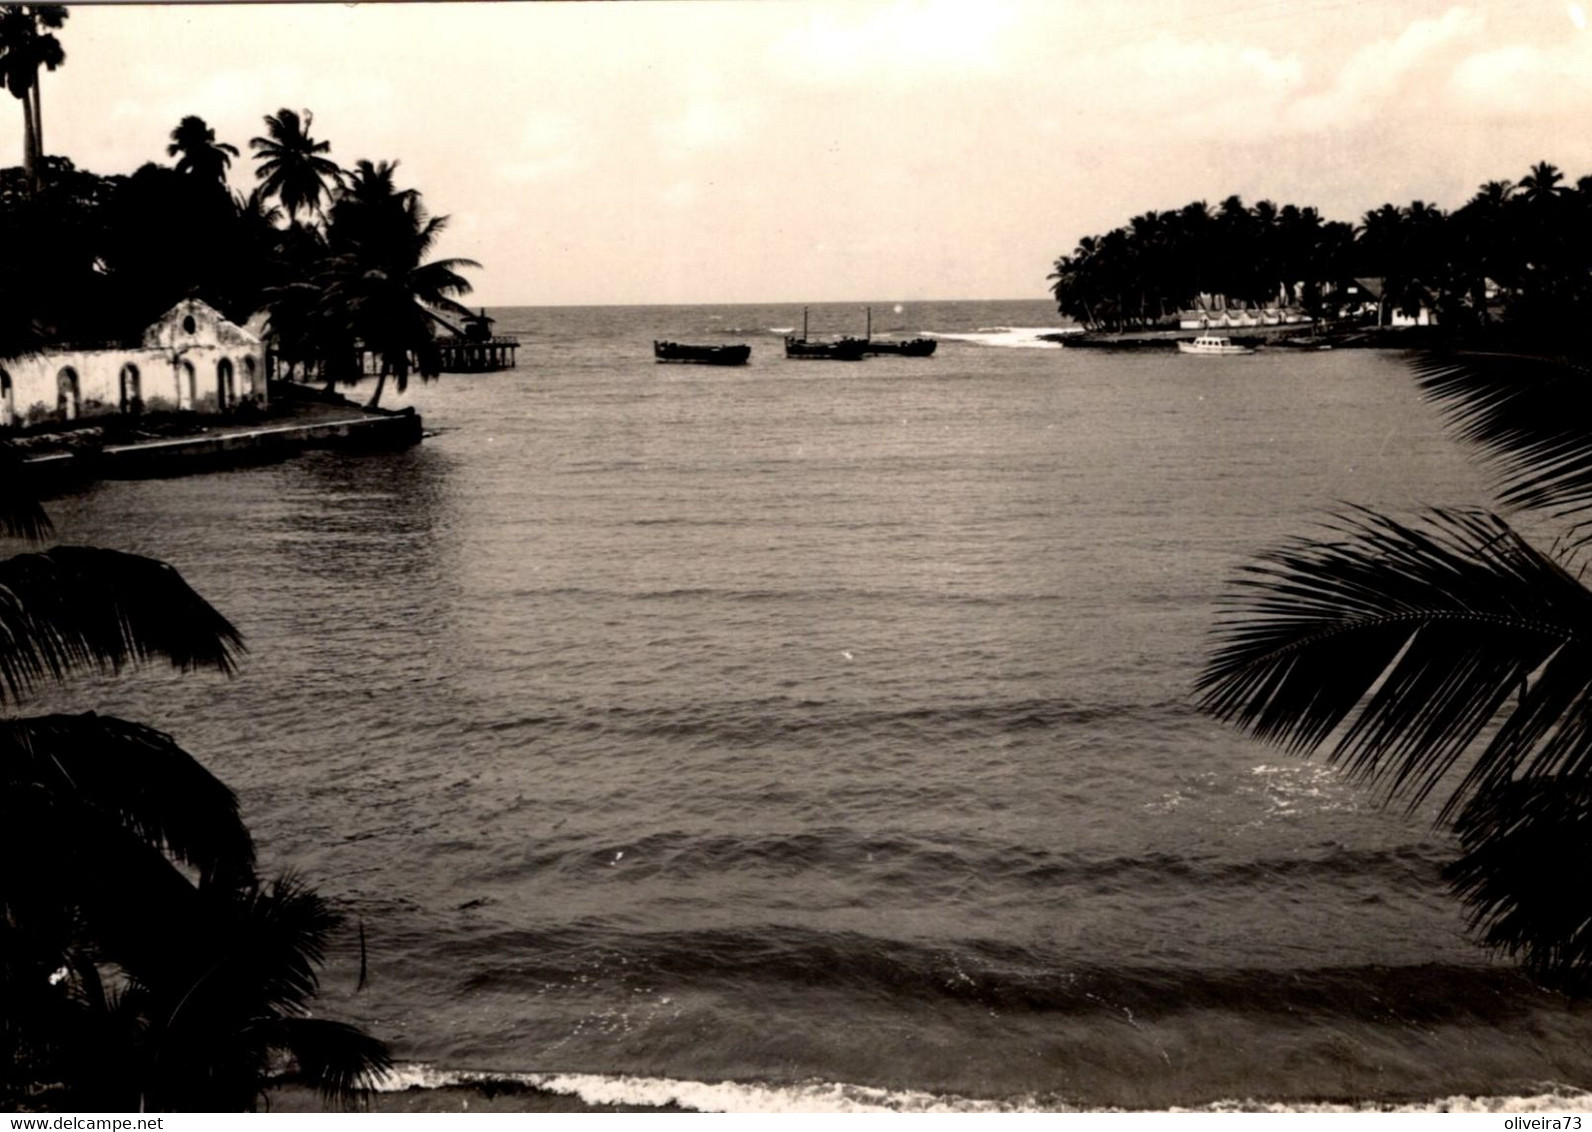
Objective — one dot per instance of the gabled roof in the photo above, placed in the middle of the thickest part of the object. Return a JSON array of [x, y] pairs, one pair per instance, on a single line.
[[194, 322]]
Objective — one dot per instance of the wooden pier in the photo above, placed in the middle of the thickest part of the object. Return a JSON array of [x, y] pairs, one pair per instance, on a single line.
[[483, 355]]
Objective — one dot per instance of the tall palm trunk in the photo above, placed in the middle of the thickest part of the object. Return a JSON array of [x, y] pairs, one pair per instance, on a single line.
[[30, 143], [38, 121], [381, 383]]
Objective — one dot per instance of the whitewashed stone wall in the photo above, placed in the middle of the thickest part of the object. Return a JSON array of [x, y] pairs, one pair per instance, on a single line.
[[191, 359]]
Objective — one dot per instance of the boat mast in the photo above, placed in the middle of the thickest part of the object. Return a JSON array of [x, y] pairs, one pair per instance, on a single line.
[[804, 324], [868, 334]]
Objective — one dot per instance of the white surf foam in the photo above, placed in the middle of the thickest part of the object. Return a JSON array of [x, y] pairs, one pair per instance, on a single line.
[[828, 1096], [1011, 337]]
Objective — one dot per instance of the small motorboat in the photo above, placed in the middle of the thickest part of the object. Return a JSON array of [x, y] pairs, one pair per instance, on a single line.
[[1212, 344], [702, 355]]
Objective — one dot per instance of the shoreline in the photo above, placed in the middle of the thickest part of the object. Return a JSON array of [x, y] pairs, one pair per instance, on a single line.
[[425, 1090], [119, 448], [1291, 338]]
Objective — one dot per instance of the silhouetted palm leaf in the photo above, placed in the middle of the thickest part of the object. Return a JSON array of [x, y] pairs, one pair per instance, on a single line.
[[75, 608], [136, 776], [340, 1060], [236, 997], [1529, 414], [1527, 856], [1412, 639]]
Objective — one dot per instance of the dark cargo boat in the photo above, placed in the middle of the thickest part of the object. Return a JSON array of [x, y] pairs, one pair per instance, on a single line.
[[910, 348], [840, 350], [702, 355]]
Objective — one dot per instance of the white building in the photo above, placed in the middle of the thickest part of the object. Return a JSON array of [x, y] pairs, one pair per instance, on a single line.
[[191, 360]]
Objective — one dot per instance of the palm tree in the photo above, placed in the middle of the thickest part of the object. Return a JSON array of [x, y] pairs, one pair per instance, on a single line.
[[202, 156], [1449, 656], [25, 46], [202, 950], [377, 285], [291, 167], [217, 1010], [133, 799], [1486, 244], [1542, 184]]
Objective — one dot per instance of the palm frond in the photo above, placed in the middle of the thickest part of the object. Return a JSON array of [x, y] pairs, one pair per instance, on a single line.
[[75, 608], [1520, 842], [109, 885], [1528, 414], [340, 1060], [281, 940], [1411, 639], [20, 513], [136, 776]]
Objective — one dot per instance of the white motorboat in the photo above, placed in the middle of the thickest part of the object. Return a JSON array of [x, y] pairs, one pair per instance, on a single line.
[[1212, 344]]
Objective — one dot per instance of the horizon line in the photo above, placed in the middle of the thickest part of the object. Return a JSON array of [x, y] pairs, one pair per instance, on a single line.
[[883, 303]]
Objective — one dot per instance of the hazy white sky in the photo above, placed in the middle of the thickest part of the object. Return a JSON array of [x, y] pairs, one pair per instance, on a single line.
[[786, 150]]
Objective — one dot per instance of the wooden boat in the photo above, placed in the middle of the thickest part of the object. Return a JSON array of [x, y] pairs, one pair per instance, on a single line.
[[909, 348], [840, 350], [702, 355], [843, 350], [1212, 344]]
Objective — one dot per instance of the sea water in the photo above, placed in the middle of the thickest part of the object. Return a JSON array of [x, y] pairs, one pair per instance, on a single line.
[[820, 735]]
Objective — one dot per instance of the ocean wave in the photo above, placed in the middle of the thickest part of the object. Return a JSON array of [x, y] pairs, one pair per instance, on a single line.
[[948, 863], [742, 1097], [989, 974], [933, 597], [774, 719]]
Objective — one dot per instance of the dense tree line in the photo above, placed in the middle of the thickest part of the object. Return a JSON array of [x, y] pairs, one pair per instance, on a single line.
[[1516, 250], [338, 258]]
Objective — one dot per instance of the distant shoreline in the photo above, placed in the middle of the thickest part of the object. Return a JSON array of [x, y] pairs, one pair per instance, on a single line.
[[1295, 338]]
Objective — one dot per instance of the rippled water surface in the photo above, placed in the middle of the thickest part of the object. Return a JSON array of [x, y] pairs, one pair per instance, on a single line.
[[814, 721]]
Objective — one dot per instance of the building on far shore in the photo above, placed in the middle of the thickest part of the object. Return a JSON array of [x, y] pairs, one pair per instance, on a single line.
[[191, 360]]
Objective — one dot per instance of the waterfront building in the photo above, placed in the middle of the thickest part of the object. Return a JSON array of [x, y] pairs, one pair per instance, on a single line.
[[190, 360]]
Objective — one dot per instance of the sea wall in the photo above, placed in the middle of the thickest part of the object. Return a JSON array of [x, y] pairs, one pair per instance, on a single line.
[[89, 458]]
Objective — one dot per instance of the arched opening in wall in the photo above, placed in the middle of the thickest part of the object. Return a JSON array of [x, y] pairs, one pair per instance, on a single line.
[[226, 388], [132, 390], [8, 407], [187, 386], [68, 394], [250, 381]]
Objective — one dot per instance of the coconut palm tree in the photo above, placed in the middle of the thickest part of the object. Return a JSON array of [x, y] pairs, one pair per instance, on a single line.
[[134, 801], [378, 284], [201, 155], [1544, 183], [25, 46], [291, 167], [1448, 656], [218, 1009], [1486, 244]]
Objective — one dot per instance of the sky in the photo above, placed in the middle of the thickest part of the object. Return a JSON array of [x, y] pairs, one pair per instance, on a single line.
[[864, 150]]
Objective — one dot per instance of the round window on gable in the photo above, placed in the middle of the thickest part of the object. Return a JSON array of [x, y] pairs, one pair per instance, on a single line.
[[189, 325]]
